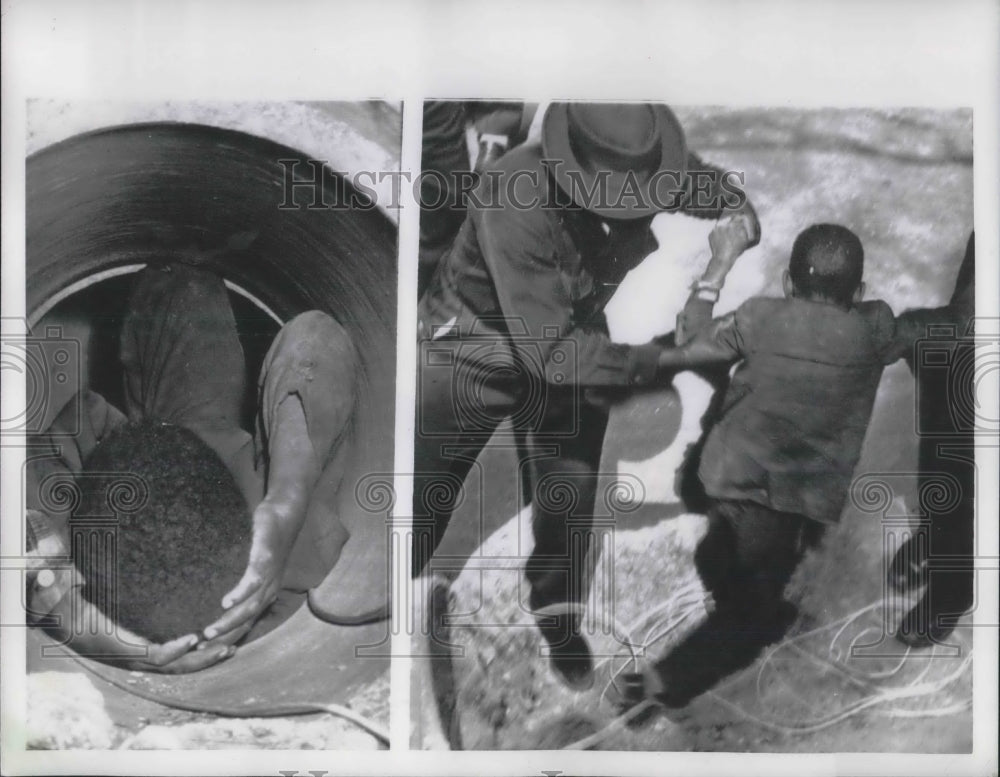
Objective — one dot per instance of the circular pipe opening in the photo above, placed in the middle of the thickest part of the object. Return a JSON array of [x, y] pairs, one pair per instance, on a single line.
[[103, 204], [91, 311]]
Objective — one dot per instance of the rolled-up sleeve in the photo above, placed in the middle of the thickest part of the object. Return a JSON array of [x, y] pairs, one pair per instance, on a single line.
[[520, 249], [695, 316], [720, 340], [59, 453]]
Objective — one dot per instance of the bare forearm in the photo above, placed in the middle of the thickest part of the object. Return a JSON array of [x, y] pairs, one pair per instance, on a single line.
[[89, 632], [727, 241]]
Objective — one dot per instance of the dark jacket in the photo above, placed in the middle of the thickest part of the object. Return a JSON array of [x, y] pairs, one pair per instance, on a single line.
[[797, 408], [527, 279]]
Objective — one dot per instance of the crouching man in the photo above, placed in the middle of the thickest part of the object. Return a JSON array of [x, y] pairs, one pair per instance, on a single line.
[[184, 367]]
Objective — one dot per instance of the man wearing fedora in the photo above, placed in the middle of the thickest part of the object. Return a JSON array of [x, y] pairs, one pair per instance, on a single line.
[[511, 326]]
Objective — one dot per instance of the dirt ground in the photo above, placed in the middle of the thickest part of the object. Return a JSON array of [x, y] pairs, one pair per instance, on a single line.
[[75, 710], [902, 180]]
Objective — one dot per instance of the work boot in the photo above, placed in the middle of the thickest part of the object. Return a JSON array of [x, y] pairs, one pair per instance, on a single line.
[[932, 619], [634, 689], [908, 568], [569, 653]]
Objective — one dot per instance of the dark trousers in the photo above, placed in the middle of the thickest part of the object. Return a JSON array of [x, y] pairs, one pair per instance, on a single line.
[[559, 441], [947, 488], [444, 160], [947, 453], [745, 560]]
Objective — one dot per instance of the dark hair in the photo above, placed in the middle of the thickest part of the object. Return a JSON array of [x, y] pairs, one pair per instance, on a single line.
[[827, 261], [174, 530]]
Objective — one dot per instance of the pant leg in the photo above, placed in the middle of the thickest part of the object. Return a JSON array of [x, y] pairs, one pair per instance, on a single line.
[[441, 467], [953, 530], [444, 158], [769, 546], [184, 364], [745, 559], [449, 435], [181, 353], [564, 497], [312, 361]]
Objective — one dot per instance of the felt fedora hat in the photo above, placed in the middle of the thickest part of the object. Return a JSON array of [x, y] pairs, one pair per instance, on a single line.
[[618, 160]]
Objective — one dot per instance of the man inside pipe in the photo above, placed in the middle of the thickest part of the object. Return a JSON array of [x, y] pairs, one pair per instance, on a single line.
[[184, 365], [512, 326]]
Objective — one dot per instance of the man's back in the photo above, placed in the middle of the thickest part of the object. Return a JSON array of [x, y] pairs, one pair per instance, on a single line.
[[794, 418]]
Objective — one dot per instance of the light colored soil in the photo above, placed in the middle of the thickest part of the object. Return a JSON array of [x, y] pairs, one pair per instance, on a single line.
[[73, 709]]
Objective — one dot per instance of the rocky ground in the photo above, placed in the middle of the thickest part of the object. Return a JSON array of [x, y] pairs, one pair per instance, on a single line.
[[75, 710]]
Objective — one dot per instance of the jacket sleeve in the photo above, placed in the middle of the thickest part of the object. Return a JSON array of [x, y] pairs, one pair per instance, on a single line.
[[909, 328], [708, 198], [693, 318], [57, 456], [913, 325], [61, 450], [721, 340], [520, 248]]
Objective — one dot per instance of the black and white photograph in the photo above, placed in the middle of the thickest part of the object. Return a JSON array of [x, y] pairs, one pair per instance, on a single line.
[[210, 351], [692, 468], [500, 389]]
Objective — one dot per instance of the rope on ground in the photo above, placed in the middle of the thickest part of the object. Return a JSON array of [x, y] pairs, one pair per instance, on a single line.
[[691, 600], [684, 604], [872, 682], [613, 727]]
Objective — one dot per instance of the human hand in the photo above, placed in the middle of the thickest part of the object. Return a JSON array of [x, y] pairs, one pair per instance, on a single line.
[[113, 644], [728, 240], [258, 588], [179, 656]]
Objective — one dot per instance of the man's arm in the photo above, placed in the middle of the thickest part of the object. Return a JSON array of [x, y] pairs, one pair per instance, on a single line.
[[55, 597], [307, 399], [81, 626], [914, 325], [57, 455], [718, 343], [910, 327], [728, 240], [57, 604], [715, 194]]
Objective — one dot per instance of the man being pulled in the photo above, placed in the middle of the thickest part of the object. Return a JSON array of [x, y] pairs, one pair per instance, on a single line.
[[512, 326]]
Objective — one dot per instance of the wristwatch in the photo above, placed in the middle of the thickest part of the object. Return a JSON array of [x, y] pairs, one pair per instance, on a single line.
[[706, 291]]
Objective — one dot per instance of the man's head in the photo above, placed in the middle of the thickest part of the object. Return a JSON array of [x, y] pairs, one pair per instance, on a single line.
[[180, 526], [620, 161], [827, 264]]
